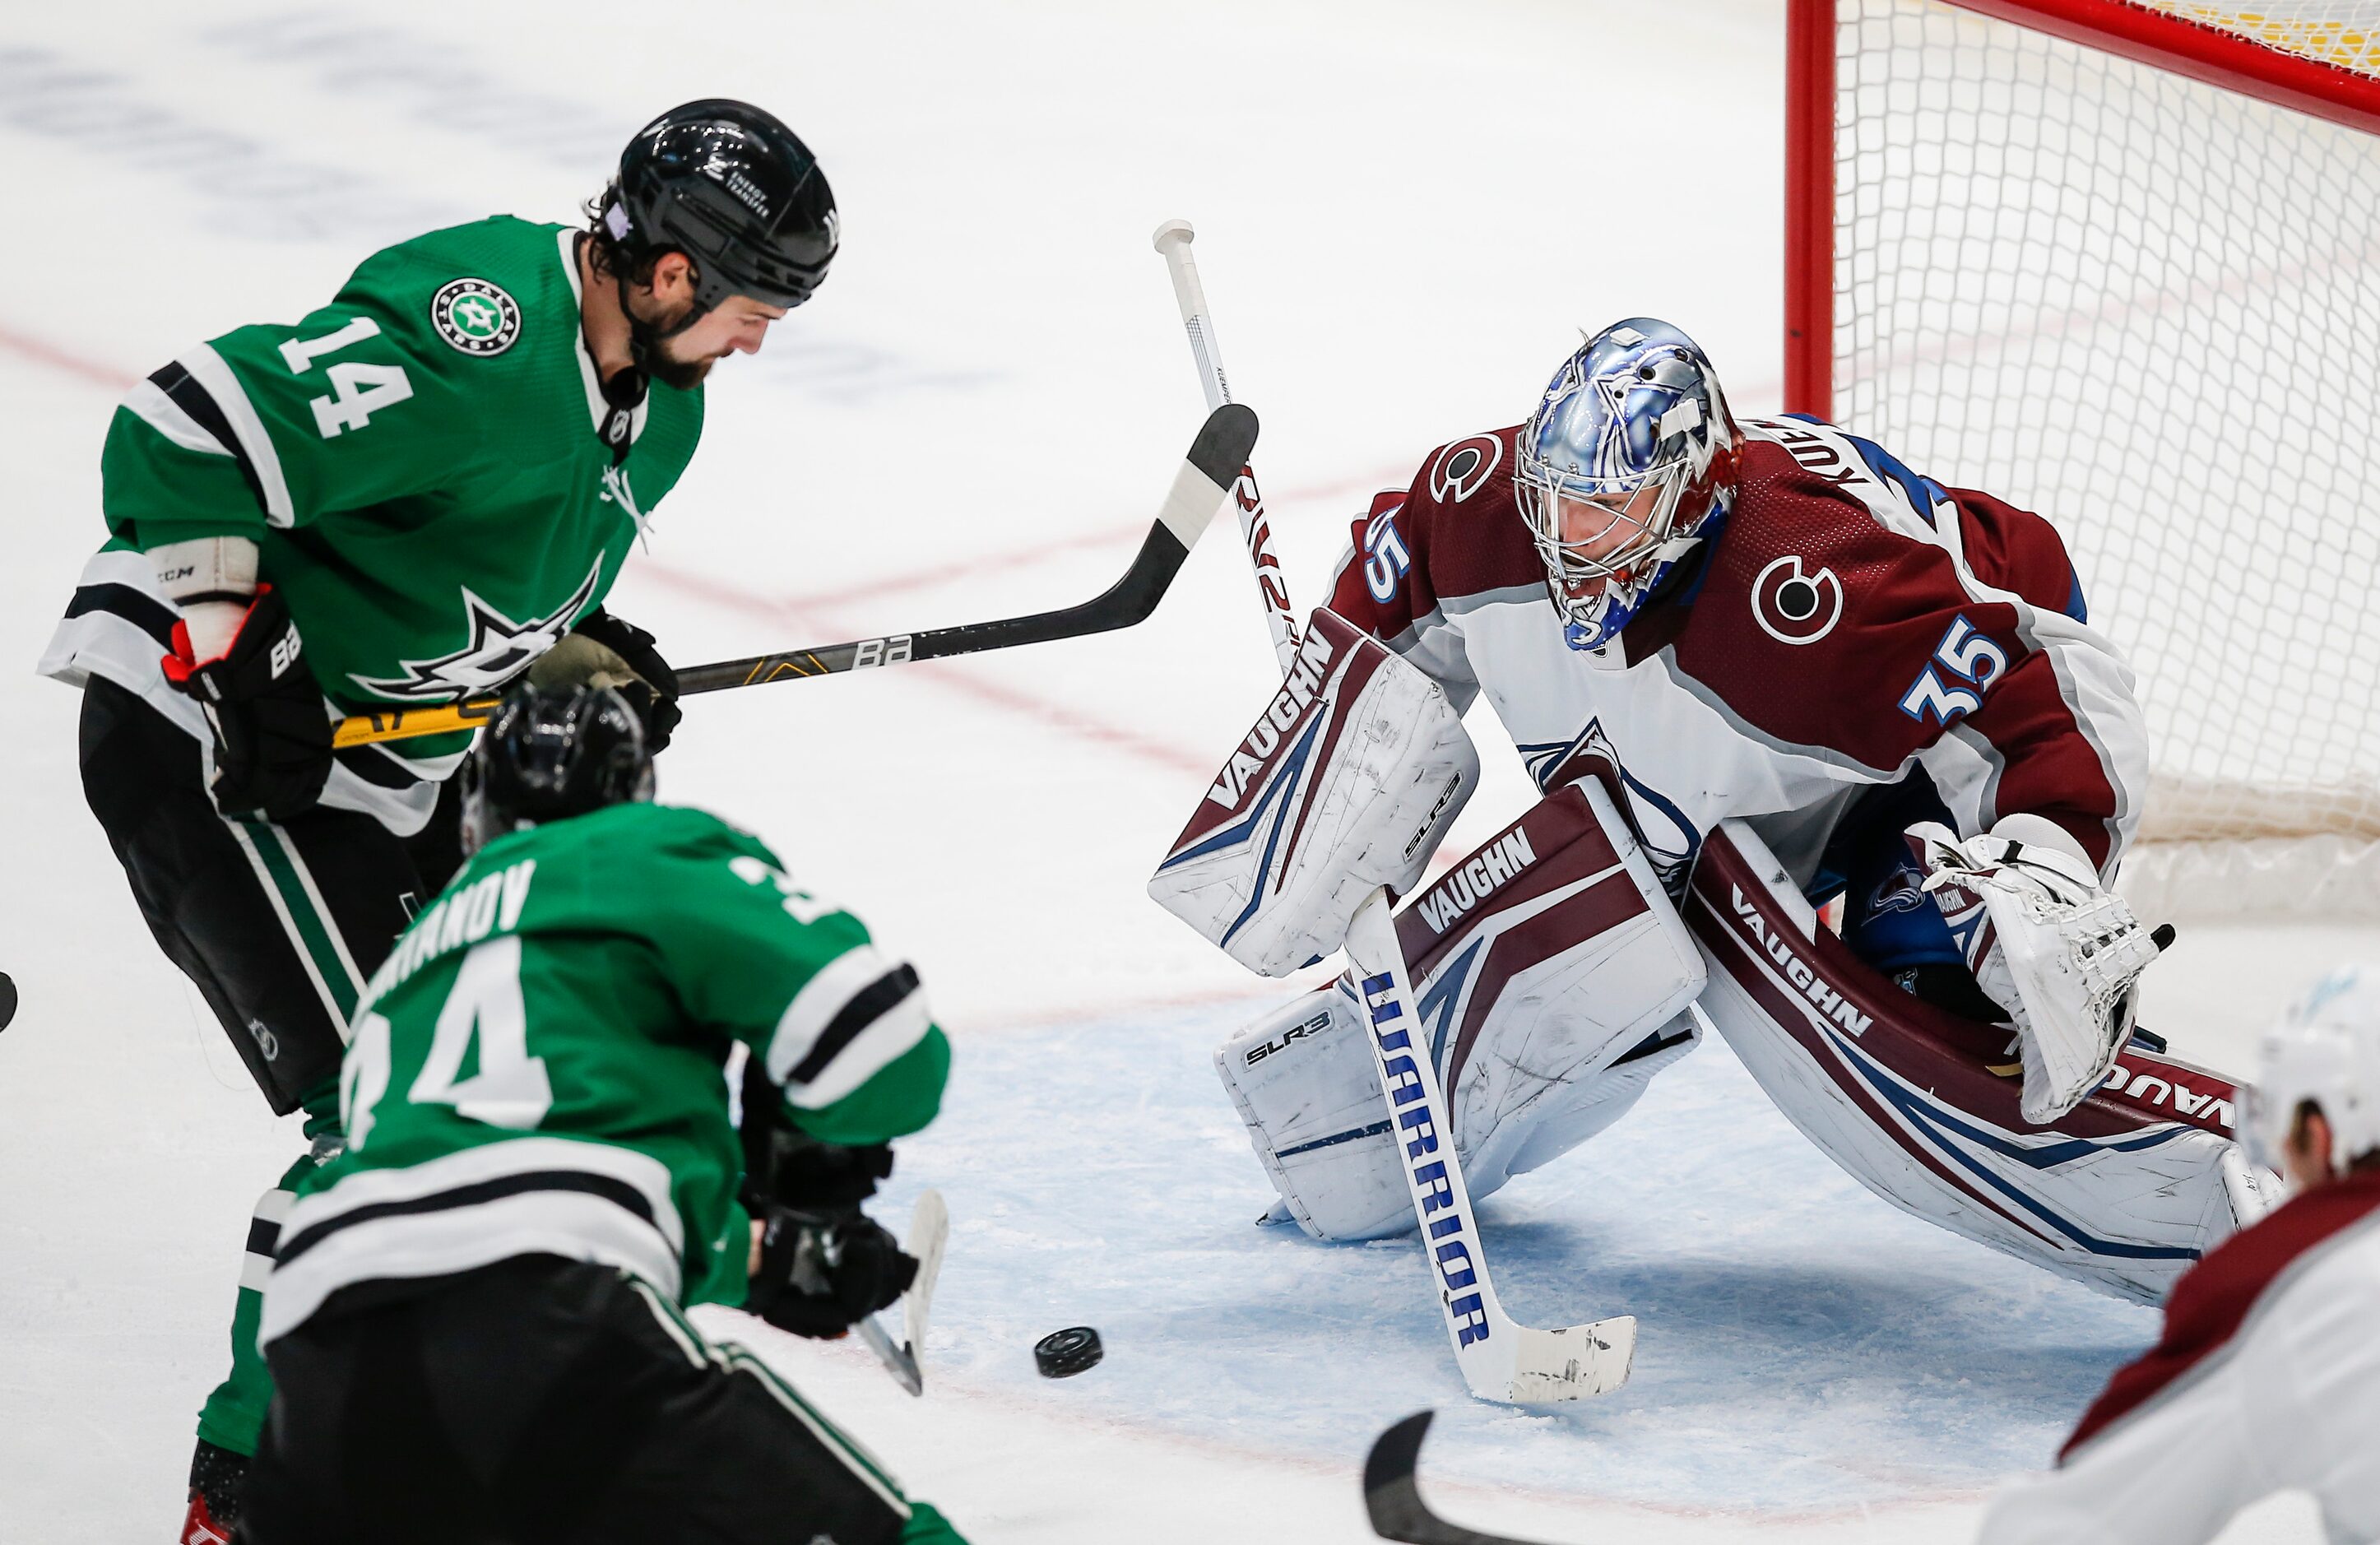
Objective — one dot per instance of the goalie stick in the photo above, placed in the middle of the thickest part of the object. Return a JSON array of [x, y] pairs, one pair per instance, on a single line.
[[1200, 485], [929, 1230], [1394, 1502], [1500, 1361], [1172, 240]]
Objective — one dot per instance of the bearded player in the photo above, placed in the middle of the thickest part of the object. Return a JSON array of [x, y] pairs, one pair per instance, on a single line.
[[418, 492], [475, 1322], [1754, 667]]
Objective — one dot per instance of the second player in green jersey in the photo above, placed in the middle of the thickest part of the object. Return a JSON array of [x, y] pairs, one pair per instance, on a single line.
[[540, 1173]]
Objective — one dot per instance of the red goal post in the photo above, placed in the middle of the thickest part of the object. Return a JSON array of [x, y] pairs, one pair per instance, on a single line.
[[2119, 260]]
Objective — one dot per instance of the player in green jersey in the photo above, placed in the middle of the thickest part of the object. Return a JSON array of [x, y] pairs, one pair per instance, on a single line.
[[475, 1319], [420, 491]]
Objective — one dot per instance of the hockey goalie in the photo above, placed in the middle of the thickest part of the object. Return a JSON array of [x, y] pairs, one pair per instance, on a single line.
[[1753, 666]]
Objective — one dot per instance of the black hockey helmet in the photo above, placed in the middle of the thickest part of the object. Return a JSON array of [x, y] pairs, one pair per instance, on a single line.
[[548, 753], [736, 192]]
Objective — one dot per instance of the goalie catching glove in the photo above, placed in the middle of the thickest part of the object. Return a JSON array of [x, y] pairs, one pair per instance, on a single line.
[[2055, 948]]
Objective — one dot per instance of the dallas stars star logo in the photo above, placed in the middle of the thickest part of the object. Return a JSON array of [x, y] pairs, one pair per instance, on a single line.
[[499, 651], [476, 316]]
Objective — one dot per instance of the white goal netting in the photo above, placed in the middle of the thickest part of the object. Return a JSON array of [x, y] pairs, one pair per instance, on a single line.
[[2148, 308]]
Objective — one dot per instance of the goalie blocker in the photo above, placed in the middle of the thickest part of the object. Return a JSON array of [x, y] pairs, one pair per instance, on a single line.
[[1348, 780]]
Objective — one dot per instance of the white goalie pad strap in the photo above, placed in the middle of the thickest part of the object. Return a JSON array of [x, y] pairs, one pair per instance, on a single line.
[[1349, 779], [2056, 950], [2123, 1192], [1550, 974]]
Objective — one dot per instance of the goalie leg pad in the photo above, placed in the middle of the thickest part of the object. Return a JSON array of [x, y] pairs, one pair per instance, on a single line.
[[1303, 1081], [1346, 783], [1550, 974], [2123, 1192]]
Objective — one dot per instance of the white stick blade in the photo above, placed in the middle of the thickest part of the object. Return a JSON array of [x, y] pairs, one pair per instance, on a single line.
[[930, 1232], [1572, 1362]]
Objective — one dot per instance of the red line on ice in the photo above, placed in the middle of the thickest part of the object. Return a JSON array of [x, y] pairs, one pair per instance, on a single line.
[[57, 358]]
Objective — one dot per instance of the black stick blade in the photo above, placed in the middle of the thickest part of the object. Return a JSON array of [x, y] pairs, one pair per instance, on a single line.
[[1394, 1502], [1224, 443]]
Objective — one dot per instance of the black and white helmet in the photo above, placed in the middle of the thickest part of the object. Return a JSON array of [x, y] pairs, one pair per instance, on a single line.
[[735, 191], [551, 753]]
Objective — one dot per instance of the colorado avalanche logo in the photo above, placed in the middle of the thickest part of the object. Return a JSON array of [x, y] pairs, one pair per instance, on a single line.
[[1794, 607], [1668, 837], [1900, 891], [1462, 468]]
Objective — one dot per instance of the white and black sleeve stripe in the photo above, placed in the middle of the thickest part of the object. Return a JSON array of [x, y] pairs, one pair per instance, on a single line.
[[198, 403], [855, 1015]]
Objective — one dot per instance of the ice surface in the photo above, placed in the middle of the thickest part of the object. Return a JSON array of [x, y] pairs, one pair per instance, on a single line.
[[1801, 1345], [1403, 211]]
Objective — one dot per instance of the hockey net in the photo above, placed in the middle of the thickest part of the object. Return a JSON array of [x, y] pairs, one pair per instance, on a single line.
[[2041, 253]]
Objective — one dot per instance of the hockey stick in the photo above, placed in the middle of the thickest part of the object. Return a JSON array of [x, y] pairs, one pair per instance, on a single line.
[[1200, 485], [1173, 239], [1394, 1502], [1500, 1361], [929, 1230]]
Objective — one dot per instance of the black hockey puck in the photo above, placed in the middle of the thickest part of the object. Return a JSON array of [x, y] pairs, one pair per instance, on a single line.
[[1064, 1354], [7, 1000]]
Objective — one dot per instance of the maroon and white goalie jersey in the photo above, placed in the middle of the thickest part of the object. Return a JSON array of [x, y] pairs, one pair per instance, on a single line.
[[1850, 620]]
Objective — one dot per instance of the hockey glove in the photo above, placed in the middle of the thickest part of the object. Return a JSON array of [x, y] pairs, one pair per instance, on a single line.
[[828, 1176], [603, 651], [272, 730], [824, 1271], [2048, 942], [783, 1163]]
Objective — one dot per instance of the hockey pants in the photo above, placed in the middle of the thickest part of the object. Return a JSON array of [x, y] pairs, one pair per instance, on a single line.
[[278, 924], [546, 1400]]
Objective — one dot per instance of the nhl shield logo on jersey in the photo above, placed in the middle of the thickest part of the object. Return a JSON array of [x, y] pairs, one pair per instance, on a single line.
[[475, 316]]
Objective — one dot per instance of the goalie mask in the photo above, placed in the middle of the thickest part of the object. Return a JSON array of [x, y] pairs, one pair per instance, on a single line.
[[2326, 1051], [1628, 462]]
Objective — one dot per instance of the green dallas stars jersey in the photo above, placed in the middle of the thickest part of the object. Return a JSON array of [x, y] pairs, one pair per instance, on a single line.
[[419, 465], [539, 1067]]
